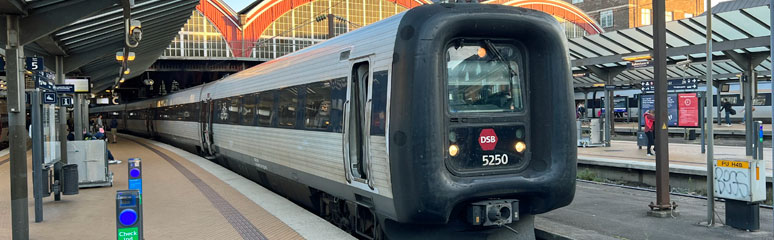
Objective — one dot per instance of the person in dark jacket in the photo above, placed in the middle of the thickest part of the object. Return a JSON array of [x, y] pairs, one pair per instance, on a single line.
[[113, 128], [649, 122], [725, 105]]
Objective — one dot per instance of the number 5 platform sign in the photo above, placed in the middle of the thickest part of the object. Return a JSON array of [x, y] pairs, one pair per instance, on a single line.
[[34, 63]]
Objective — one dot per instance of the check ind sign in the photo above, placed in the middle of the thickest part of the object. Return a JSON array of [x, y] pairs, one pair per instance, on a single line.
[[128, 234]]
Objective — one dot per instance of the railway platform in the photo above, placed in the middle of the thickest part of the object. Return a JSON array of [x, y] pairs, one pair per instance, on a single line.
[[184, 197], [736, 129], [602, 212]]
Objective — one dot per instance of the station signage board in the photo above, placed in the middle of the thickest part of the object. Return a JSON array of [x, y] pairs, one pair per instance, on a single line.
[[65, 88], [49, 98], [34, 63], [673, 84], [688, 104], [66, 102], [640, 64], [648, 102]]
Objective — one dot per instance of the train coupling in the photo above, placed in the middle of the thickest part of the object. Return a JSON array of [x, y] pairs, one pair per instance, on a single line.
[[493, 212]]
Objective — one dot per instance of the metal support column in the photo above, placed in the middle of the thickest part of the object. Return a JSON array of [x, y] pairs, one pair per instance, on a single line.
[[771, 54], [17, 133], [608, 74], [749, 95], [60, 78], [748, 62], [37, 153], [77, 117], [609, 111], [662, 141], [710, 132]]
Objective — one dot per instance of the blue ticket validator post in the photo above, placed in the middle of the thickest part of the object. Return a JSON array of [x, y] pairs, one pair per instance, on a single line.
[[135, 175], [128, 215]]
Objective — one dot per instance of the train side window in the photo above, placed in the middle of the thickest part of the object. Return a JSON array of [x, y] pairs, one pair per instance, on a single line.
[[338, 97], [265, 108], [288, 102], [233, 109], [221, 111], [379, 103], [318, 106], [248, 106]]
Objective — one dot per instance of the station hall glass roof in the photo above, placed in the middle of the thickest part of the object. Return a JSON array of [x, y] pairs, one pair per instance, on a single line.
[[742, 32], [88, 33]]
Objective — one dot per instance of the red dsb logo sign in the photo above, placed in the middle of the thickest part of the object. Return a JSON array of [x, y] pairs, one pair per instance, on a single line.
[[487, 139]]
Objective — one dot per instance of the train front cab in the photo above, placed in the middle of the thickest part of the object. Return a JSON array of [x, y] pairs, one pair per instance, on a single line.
[[461, 133]]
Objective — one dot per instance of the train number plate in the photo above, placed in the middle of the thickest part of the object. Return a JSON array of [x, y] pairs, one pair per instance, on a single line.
[[494, 159]]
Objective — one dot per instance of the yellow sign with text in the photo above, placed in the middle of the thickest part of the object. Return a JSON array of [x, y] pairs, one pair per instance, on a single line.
[[733, 164]]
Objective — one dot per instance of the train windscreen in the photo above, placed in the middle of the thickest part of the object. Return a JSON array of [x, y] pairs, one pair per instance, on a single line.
[[484, 77]]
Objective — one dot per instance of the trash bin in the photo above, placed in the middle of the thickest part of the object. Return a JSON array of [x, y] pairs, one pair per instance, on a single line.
[[642, 139], [46, 175], [70, 181], [692, 134]]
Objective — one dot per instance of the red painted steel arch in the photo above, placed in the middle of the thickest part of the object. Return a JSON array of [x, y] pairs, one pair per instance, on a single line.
[[556, 8], [241, 36]]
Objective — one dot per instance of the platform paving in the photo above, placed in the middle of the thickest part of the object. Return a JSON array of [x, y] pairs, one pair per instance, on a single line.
[[184, 197], [682, 157], [602, 212], [735, 128]]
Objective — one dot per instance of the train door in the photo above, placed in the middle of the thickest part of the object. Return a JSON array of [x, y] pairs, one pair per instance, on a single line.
[[357, 122], [205, 123]]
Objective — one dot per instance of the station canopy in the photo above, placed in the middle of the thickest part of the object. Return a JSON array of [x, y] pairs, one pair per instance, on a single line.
[[88, 33], [740, 32]]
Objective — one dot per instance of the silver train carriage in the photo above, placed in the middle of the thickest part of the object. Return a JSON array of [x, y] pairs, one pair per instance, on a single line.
[[439, 115]]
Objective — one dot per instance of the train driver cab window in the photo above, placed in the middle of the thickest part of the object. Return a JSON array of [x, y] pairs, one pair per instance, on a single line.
[[265, 108], [288, 102], [318, 106], [484, 77]]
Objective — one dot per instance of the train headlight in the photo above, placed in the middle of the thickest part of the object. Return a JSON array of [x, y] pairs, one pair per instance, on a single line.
[[520, 146], [453, 150]]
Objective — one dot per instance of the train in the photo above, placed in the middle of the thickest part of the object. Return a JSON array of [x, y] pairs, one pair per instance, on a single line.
[[626, 102], [450, 121]]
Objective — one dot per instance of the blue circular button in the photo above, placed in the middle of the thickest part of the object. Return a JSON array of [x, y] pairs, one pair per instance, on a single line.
[[127, 217], [134, 172]]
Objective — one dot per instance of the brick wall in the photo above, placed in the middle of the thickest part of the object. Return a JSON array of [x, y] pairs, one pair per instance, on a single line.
[[627, 13]]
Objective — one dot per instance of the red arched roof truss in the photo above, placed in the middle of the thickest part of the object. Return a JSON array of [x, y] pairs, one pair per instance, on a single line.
[[557, 8], [242, 38]]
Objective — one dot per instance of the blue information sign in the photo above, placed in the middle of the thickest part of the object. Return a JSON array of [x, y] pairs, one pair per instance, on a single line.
[[34, 63], [49, 98], [672, 110], [648, 102], [65, 88]]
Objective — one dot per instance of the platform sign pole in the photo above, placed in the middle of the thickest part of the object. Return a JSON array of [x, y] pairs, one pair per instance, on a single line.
[[17, 133], [710, 133], [771, 49], [37, 153]]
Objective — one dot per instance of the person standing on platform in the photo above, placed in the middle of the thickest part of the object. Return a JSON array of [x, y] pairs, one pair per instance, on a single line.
[[581, 111], [725, 105], [113, 128], [98, 124], [649, 121]]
